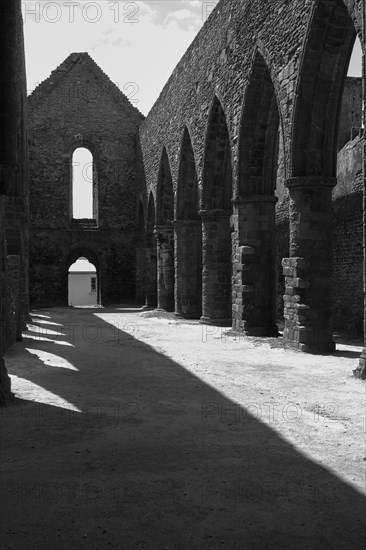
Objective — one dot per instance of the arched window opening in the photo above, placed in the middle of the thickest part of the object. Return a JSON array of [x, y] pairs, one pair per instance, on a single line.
[[355, 64], [83, 185], [83, 284]]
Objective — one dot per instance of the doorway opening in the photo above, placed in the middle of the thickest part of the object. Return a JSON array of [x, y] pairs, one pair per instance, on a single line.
[[83, 284]]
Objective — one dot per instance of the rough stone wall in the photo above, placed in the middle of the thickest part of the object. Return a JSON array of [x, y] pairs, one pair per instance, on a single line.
[[348, 238], [219, 63], [78, 106], [13, 186], [347, 205], [351, 114]]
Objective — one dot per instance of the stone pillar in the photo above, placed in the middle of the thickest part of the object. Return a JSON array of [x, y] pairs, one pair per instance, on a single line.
[[5, 384], [188, 268], [165, 254], [216, 273], [140, 271], [254, 266], [360, 372], [151, 283], [9, 99], [308, 271]]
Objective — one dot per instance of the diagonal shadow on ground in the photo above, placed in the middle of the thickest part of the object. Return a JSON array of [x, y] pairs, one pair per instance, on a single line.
[[127, 449]]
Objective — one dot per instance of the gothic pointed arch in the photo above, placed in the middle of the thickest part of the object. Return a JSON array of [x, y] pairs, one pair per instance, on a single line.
[[151, 256], [259, 133], [216, 231], [323, 70], [309, 269], [188, 236], [164, 192], [217, 169], [254, 292], [187, 189]]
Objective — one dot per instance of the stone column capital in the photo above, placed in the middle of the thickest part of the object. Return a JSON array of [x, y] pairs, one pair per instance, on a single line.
[[307, 182]]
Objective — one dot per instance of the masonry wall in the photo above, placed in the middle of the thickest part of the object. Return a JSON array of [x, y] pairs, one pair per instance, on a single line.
[[348, 224], [13, 186], [79, 107], [351, 115], [348, 241], [219, 63]]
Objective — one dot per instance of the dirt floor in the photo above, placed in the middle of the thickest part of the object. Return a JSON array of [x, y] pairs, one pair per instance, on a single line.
[[134, 430]]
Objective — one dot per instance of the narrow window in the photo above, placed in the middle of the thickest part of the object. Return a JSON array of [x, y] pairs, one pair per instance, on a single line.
[[93, 281], [82, 184]]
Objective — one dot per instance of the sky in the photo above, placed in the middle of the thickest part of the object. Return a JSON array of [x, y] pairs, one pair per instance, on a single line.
[[137, 44]]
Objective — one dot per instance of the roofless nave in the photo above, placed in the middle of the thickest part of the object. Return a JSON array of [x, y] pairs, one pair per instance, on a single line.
[[189, 201]]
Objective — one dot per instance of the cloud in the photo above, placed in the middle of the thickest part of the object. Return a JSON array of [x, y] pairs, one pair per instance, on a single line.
[[184, 19], [139, 46]]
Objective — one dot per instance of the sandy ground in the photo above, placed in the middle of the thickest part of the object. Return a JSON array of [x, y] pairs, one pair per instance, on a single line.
[[136, 430]]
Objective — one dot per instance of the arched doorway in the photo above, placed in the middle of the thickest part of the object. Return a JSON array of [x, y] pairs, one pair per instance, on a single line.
[[87, 262], [82, 284]]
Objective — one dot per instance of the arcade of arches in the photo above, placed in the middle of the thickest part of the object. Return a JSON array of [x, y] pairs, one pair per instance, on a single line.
[[230, 198]]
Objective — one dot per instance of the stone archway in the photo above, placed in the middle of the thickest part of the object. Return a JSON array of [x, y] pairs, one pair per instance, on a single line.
[[308, 270], [188, 237], [93, 258], [217, 209], [151, 292], [254, 301], [164, 233]]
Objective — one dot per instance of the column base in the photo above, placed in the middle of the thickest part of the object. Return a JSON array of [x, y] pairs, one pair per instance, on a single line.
[[265, 331], [318, 349], [150, 306], [188, 316], [360, 372], [216, 322], [6, 395], [161, 309]]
